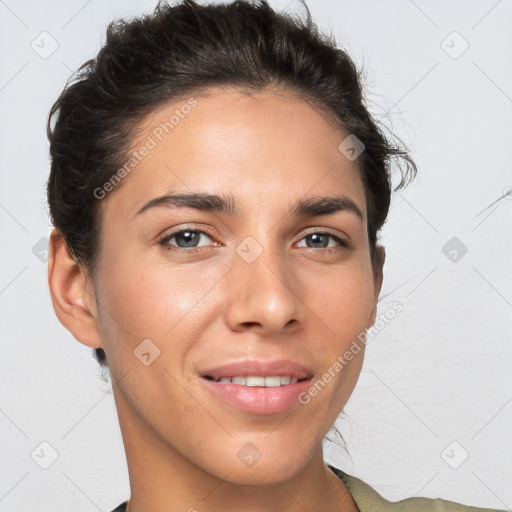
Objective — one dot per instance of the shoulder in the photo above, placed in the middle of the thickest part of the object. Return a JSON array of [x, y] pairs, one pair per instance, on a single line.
[[368, 500]]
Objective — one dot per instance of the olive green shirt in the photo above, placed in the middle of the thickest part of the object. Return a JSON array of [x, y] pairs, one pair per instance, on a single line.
[[368, 500]]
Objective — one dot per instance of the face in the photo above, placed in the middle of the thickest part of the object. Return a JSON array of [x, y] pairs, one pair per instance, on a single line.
[[255, 280]]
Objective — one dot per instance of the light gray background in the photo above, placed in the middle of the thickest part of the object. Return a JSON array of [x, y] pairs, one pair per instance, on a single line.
[[437, 374]]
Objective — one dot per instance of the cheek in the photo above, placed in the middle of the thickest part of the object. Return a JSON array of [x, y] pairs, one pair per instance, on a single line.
[[341, 299], [135, 300], [147, 300]]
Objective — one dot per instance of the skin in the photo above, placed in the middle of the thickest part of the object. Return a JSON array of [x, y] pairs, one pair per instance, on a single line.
[[298, 300]]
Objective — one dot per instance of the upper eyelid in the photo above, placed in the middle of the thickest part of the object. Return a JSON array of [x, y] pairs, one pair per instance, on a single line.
[[325, 230]]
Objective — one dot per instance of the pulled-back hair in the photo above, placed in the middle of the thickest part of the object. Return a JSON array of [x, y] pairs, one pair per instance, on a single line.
[[186, 49]]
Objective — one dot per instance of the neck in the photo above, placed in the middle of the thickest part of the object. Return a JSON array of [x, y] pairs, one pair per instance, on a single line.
[[163, 480]]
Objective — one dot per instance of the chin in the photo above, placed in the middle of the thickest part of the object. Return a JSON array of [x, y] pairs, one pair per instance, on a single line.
[[247, 469]]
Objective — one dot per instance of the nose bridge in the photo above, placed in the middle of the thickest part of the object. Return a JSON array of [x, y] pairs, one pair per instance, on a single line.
[[261, 290]]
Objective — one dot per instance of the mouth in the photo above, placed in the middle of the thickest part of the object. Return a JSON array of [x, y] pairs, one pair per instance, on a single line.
[[258, 387], [273, 372], [272, 381]]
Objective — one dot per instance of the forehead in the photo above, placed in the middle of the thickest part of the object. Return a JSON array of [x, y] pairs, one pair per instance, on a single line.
[[270, 144]]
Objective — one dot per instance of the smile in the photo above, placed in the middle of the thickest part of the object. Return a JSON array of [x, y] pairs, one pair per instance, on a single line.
[[256, 380], [252, 395]]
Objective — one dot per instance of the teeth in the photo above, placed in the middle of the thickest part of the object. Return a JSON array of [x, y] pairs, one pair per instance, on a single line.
[[253, 380], [273, 382]]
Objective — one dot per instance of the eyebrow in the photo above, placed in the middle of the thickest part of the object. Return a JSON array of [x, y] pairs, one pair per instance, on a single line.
[[225, 204]]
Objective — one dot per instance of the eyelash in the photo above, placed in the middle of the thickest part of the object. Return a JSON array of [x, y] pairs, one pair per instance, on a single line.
[[343, 244]]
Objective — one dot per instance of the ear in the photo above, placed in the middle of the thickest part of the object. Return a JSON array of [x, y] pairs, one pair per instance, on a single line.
[[378, 277], [72, 293]]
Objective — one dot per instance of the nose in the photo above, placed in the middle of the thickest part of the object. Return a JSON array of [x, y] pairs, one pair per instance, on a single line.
[[262, 296]]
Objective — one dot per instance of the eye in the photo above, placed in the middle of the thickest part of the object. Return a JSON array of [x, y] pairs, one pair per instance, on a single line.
[[186, 240], [320, 240]]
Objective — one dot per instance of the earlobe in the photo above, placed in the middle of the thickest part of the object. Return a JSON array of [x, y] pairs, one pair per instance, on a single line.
[[72, 293]]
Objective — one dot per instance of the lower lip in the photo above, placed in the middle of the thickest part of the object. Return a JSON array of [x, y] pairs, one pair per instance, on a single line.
[[258, 399]]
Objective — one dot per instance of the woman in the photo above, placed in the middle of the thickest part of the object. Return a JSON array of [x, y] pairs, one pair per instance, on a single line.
[[217, 188]]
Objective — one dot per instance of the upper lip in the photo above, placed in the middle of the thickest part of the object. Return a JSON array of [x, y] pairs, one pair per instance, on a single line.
[[259, 367]]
